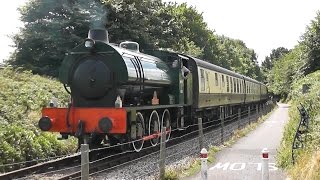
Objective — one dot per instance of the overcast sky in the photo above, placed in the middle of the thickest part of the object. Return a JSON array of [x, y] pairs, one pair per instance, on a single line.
[[261, 24]]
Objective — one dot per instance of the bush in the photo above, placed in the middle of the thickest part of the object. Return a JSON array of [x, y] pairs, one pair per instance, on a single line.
[[22, 96], [311, 102]]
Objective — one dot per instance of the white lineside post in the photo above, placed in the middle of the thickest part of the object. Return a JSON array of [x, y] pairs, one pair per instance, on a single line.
[[84, 161], [162, 153], [265, 164], [204, 166]]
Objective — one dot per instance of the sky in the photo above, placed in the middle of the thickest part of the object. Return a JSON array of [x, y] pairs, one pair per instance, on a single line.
[[262, 24], [10, 23]]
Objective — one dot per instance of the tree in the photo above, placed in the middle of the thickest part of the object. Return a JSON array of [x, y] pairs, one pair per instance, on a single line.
[[51, 29], [270, 60], [311, 39], [236, 56], [285, 70], [275, 55]]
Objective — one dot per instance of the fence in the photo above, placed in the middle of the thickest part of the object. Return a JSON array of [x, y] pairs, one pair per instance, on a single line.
[[204, 134], [301, 134], [208, 134]]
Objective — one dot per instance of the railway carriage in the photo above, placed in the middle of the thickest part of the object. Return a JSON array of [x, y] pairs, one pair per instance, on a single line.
[[119, 94]]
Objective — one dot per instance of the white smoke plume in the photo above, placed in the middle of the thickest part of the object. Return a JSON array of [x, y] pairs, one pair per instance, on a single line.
[[96, 12]]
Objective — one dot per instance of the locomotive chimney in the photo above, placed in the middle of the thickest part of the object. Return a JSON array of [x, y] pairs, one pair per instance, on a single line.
[[99, 35]]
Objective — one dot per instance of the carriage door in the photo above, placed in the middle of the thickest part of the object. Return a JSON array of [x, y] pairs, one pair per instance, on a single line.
[[187, 80], [245, 89]]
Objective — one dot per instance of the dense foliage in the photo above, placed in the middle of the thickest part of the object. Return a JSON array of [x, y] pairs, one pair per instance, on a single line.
[[236, 56], [22, 95], [54, 27], [305, 168], [282, 67]]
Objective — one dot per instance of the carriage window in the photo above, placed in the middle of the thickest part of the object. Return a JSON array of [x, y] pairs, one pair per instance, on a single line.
[[234, 85], [216, 77], [222, 77], [207, 79], [231, 85], [227, 79], [238, 86], [247, 88], [202, 80], [244, 87]]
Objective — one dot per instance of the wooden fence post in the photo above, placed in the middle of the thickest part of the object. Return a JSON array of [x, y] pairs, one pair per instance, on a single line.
[[222, 123], [84, 161], [162, 153], [249, 114], [200, 133], [239, 118]]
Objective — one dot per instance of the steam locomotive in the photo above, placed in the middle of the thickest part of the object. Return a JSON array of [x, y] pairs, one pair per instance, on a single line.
[[119, 94]]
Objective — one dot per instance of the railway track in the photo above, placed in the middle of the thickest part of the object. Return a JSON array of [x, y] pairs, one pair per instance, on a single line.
[[70, 166], [72, 163], [41, 167]]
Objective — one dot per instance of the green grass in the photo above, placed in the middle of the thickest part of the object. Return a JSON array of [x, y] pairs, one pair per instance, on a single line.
[[194, 166]]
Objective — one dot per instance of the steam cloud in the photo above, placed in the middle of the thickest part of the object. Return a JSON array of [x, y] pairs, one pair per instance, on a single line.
[[95, 11]]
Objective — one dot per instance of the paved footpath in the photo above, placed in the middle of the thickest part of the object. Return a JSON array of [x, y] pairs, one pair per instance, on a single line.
[[243, 159]]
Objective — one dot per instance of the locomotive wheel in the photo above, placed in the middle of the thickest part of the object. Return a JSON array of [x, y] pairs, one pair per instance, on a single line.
[[166, 122], [154, 127], [138, 142]]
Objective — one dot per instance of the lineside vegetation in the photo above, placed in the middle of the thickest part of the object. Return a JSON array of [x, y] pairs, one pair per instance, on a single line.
[[22, 95]]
